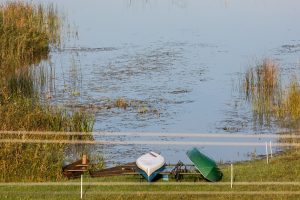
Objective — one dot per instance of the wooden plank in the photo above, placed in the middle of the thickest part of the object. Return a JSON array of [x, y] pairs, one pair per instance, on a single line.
[[114, 171], [131, 169], [82, 165], [77, 170]]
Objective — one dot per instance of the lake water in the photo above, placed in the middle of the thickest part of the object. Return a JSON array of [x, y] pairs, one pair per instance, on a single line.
[[182, 60]]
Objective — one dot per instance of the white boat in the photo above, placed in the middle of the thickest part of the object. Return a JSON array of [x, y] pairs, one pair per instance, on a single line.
[[150, 165]]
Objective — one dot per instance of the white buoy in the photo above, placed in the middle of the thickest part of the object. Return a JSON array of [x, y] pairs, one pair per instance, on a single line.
[[267, 153], [231, 175]]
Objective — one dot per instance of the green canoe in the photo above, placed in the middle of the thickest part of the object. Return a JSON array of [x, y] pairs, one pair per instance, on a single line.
[[206, 166]]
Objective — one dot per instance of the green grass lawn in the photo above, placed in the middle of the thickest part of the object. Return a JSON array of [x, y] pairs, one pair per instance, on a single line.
[[252, 180]]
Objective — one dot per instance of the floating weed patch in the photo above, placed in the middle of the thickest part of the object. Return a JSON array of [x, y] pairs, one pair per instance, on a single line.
[[121, 103], [130, 105], [143, 109]]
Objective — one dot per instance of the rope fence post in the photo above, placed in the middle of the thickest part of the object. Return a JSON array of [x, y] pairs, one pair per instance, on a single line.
[[81, 187], [231, 175], [267, 153], [271, 151]]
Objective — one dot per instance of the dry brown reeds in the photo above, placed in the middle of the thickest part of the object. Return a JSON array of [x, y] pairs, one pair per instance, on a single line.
[[262, 89], [263, 80], [26, 33]]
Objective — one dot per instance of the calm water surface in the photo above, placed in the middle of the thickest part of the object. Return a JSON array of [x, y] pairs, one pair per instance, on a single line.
[[183, 59]]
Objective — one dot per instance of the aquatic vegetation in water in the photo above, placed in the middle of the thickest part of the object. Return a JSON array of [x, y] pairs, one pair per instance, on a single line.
[[131, 105], [289, 111], [121, 103], [262, 89], [262, 80], [268, 98]]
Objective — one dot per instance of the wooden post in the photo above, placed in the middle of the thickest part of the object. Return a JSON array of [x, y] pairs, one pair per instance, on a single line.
[[84, 158], [231, 176]]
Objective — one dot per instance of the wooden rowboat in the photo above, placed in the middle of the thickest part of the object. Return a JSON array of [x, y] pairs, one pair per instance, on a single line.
[[128, 168], [150, 165]]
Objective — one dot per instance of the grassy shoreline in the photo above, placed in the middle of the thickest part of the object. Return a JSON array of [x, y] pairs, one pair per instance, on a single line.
[[252, 179]]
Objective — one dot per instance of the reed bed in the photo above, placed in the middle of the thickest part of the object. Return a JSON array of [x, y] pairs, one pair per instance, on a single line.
[[269, 99], [262, 88], [289, 111], [262, 80], [27, 33]]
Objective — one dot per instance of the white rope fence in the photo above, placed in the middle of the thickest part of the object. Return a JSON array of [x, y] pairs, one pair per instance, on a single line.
[[155, 134], [25, 184], [211, 193], [104, 142], [148, 142]]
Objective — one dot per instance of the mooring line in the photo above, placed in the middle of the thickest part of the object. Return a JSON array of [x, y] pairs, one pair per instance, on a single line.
[[154, 134]]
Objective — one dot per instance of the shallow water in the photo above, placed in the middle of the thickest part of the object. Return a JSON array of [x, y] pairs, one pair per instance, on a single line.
[[181, 60]]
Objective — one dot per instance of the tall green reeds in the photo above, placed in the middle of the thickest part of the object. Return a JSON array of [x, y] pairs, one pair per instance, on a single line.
[[27, 32]]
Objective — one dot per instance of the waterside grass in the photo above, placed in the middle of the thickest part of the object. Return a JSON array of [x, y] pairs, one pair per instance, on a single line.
[[27, 32]]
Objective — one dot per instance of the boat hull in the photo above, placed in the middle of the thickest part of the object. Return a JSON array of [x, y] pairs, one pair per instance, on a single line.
[[205, 165], [150, 164], [152, 176]]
